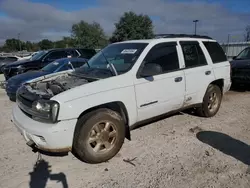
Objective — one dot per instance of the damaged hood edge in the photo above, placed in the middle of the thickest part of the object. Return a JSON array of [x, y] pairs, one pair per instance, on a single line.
[[49, 76]]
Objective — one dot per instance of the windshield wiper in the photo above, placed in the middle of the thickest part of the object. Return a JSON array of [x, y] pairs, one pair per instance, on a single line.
[[111, 65]]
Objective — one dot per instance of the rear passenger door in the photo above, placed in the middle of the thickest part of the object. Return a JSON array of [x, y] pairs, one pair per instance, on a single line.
[[221, 66], [164, 92], [198, 72]]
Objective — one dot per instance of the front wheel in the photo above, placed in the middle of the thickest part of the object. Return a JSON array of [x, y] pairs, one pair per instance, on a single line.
[[211, 102], [99, 136]]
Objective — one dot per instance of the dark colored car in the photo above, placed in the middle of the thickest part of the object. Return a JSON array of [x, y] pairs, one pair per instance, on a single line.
[[59, 65], [241, 68], [6, 60], [43, 58]]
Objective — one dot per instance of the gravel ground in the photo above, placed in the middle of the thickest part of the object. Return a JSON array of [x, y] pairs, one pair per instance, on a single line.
[[181, 151], [1, 77]]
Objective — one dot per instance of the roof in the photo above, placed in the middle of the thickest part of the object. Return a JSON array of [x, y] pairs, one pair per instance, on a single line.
[[55, 49], [165, 40], [182, 36], [71, 58]]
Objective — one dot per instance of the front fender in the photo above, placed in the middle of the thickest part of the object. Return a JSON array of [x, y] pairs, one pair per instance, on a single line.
[[73, 108]]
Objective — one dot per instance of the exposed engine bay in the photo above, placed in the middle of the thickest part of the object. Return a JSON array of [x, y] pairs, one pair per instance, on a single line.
[[53, 86]]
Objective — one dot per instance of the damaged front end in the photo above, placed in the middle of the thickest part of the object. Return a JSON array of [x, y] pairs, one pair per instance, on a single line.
[[50, 87], [34, 98]]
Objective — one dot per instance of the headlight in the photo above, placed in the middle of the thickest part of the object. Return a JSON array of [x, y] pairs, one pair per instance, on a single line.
[[47, 109]]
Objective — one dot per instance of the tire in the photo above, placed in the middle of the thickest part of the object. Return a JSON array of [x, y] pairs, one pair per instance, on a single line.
[[95, 144], [206, 110]]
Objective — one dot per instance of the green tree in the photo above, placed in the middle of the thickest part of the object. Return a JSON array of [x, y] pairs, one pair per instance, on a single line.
[[69, 42], [12, 44], [28, 46], [59, 44], [88, 35], [132, 26], [45, 44]]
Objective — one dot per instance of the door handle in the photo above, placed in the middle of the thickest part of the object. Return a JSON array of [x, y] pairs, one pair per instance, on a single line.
[[178, 79], [207, 72]]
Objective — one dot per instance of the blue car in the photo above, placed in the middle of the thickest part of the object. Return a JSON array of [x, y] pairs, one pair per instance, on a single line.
[[59, 65]]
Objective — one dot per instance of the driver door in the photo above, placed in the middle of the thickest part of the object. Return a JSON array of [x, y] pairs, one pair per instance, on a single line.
[[164, 92]]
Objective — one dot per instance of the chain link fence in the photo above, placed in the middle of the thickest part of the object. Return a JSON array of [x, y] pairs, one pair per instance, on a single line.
[[234, 48]]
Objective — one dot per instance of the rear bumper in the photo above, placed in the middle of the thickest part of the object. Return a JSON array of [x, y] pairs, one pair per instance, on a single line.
[[54, 138], [227, 85]]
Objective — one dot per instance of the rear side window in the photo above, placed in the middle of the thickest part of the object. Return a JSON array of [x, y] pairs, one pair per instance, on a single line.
[[57, 55], [12, 58], [193, 54], [77, 63], [216, 52], [165, 55], [72, 53], [87, 53]]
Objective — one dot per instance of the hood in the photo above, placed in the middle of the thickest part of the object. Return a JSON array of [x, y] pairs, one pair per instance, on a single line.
[[20, 62], [240, 63], [18, 79]]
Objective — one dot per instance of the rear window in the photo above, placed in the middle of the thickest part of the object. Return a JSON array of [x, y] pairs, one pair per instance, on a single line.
[[87, 53], [216, 52]]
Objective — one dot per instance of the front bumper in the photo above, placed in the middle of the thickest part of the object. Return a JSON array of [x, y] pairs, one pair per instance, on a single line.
[[56, 137]]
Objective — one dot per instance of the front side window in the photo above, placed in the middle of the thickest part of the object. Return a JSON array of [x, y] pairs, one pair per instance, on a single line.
[[215, 51], [193, 54], [121, 55], [165, 56], [245, 54]]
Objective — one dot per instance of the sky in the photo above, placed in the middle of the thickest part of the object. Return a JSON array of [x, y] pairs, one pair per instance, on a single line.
[[52, 19]]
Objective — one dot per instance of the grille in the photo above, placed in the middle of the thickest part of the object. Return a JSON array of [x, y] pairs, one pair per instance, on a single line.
[[24, 101]]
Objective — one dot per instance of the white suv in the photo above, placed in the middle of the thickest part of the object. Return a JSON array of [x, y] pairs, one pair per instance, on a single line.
[[91, 110]]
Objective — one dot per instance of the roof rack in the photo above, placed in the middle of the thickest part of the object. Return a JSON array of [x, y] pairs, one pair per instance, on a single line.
[[181, 36]]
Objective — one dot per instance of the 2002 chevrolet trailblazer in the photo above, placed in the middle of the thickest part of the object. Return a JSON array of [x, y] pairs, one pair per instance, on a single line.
[[90, 111]]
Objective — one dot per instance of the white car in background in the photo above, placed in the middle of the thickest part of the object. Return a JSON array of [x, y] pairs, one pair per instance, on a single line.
[[28, 57]]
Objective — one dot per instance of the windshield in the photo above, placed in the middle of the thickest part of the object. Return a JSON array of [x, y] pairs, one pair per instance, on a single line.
[[121, 55], [51, 67], [245, 54], [38, 55]]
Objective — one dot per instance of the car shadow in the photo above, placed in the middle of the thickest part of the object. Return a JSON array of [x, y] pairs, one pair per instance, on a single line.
[[42, 173], [226, 144]]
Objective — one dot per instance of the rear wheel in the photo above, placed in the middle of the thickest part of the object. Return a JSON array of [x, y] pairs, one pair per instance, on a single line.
[[211, 102], [99, 136]]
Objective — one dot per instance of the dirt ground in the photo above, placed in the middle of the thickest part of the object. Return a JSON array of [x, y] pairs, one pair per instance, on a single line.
[[181, 151]]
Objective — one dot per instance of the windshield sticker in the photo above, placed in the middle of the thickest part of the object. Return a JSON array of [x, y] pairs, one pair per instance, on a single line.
[[128, 51], [55, 63]]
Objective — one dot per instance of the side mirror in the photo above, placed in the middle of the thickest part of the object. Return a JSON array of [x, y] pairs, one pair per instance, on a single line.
[[234, 57], [151, 69]]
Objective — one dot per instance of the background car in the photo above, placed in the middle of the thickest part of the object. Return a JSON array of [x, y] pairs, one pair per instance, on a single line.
[[6, 60], [43, 58], [64, 64], [241, 68]]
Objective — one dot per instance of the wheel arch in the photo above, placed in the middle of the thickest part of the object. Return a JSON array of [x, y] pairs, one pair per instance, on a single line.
[[219, 83], [117, 106]]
